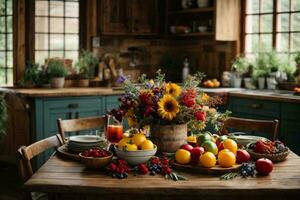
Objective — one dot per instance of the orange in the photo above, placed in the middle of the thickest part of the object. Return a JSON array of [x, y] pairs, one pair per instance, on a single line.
[[210, 146], [123, 142], [223, 151], [183, 156], [138, 139], [226, 159], [210, 84], [131, 147], [147, 145], [230, 144], [208, 159]]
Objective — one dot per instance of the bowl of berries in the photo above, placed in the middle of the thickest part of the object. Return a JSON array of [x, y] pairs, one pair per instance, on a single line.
[[96, 158], [275, 151]]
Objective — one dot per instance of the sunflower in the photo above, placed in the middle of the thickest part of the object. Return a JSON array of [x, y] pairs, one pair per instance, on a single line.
[[173, 89], [168, 107]]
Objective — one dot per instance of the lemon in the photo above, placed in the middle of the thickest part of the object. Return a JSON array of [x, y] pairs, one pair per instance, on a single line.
[[131, 147], [138, 139], [147, 145], [123, 143]]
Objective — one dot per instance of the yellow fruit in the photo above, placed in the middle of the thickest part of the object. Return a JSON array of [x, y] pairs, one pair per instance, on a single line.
[[230, 144], [183, 156], [192, 139], [226, 159], [147, 145], [138, 139], [208, 159], [210, 84], [123, 142], [131, 147], [125, 135], [223, 150]]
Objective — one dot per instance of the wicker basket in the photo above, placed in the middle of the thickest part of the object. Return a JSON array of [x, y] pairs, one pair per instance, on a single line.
[[275, 157]]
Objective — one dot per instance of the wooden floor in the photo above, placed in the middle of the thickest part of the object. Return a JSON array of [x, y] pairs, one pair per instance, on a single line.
[[10, 186]]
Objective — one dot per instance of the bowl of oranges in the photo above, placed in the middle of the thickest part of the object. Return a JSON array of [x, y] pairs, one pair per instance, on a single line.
[[135, 149], [211, 83]]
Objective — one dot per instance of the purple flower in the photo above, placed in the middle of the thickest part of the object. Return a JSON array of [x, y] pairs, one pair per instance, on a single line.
[[121, 79]]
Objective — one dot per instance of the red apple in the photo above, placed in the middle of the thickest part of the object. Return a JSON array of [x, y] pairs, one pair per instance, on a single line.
[[220, 146], [221, 139], [187, 147], [242, 156], [264, 166], [196, 152]]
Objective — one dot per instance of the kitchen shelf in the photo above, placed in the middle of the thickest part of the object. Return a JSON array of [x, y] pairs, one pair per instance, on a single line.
[[194, 10], [192, 34]]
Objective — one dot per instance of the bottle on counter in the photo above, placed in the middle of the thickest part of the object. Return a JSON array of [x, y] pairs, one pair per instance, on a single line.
[[185, 69]]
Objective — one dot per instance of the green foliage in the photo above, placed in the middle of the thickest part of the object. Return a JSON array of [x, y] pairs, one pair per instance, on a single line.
[[194, 81], [86, 64], [261, 64], [43, 77], [56, 69], [240, 65], [273, 61], [3, 116], [297, 57], [31, 75]]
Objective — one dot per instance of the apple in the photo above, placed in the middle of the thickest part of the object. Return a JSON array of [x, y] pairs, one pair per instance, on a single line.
[[196, 152], [264, 166], [242, 156], [220, 146], [187, 147], [221, 139]]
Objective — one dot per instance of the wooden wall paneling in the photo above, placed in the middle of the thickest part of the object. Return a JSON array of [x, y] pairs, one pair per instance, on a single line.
[[30, 29], [19, 53], [89, 21]]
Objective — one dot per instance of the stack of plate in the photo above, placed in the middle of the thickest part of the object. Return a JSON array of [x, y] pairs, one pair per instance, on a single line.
[[82, 143]]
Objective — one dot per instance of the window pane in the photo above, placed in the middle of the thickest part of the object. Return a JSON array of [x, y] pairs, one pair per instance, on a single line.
[[267, 6], [9, 76], [41, 8], [9, 8], [72, 25], [266, 41], [9, 24], [283, 22], [295, 42], [2, 7], [295, 5], [9, 59], [2, 42], [266, 23], [57, 41], [252, 24], [57, 8], [283, 5], [252, 6], [2, 59], [72, 42], [72, 9], [59, 54], [251, 44], [282, 41], [56, 25], [41, 24], [9, 41], [41, 41], [72, 55], [296, 22], [40, 57], [2, 24], [2, 76]]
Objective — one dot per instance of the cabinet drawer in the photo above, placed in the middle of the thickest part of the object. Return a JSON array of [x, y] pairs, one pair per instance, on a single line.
[[255, 107], [290, 111]]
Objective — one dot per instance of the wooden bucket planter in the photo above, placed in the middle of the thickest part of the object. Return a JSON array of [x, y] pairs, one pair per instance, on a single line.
[[168, 138]]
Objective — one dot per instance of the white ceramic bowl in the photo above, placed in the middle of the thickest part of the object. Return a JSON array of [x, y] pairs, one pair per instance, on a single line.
[[202, 29], [243, 140], [135, 157]]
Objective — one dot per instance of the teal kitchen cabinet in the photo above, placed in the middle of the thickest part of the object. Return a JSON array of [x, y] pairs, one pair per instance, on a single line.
[[46, 111]]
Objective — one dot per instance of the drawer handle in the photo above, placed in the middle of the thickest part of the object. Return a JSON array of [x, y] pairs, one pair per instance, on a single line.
[[256, 105], [73, 105]]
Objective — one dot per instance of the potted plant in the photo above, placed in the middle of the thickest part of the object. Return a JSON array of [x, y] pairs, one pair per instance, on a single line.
[[239, 66], [261, 70], [167, 108], [30, 77], [57, 73], [86, 67], [44, 78]]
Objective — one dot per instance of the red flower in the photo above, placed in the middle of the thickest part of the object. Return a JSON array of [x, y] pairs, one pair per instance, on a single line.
[[148, 110], [200, 116], [188, 97], [145, 98]]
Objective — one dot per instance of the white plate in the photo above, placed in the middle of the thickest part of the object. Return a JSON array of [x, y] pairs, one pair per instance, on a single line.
[[245, 139], [85, 139]]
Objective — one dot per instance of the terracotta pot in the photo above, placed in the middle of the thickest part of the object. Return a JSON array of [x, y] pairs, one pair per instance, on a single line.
[[168, 138], [57, 82], [83, 82]]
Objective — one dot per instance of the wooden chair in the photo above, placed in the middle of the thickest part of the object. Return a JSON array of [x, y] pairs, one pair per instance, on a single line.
[[75, 125], [241, 124], [24, 156]]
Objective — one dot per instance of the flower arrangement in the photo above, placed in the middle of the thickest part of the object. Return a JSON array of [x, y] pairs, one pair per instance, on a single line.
[[156, 102]]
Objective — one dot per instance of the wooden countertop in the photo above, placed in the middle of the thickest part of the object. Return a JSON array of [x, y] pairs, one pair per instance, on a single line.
[[59, 175], [50, 92]]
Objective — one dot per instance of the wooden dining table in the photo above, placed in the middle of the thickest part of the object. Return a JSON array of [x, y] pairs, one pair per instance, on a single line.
[[66, 179]]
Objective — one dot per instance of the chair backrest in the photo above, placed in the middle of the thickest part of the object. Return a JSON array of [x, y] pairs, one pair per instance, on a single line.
[[241, 124], [26, 153], [74, 125]]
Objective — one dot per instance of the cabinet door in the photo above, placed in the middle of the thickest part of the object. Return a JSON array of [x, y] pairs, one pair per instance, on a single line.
[[144, 16], [291, 133], [115, 17]]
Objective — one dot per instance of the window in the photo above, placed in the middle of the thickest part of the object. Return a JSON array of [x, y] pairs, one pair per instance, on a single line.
[[6, 42], [272, 24], [56, 29]]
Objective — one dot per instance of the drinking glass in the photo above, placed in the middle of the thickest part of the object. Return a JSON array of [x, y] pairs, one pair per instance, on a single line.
[[114, 131]]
